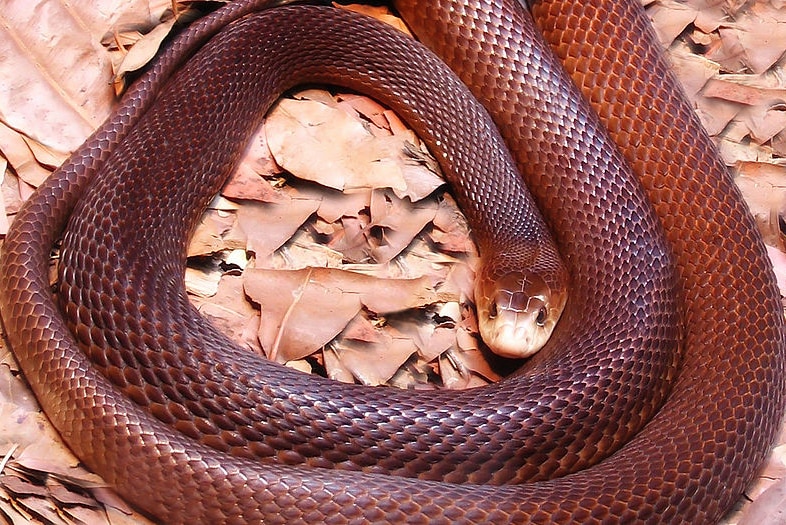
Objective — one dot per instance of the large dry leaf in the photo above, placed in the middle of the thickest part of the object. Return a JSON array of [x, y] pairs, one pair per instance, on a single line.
[[268, 226], [55, 71], [374, 363], [303, 310], [350, 156]]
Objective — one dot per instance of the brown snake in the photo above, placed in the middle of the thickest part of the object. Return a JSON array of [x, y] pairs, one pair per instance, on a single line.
[[610, 422]]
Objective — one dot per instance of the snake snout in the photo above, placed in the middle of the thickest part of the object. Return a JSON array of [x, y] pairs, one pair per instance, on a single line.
[[517, 313]]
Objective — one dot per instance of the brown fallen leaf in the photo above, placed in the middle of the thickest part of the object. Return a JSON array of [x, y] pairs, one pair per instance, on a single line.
[[290, 301], [350, 157], [238, 319], [762, 34], [671, 18], [374, 363], [764, 188], [269, 225], [769, 508]]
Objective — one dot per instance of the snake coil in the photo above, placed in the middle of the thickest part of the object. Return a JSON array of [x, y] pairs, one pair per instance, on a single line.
[[656, 399]]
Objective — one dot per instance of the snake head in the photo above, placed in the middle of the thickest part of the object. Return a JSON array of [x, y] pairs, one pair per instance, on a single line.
[[517, 313]]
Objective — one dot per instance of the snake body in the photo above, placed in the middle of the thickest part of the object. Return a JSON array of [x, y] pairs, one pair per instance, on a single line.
[[656, 399]]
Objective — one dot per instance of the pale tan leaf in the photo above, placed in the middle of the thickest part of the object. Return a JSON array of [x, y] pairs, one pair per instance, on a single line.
[[202, 282], [433, 341], [55, 70], [11, 511], [762, 32], [717, 115], [304, 251], [375, 363], [472, 358], [710, 14], [17, 151], [229, 312], [210, 234], [778, 144], [336, 370], [692, 70], [764, 122], [368, 108], [65, 496], [362, 330], [736, 88], [670, 19], [451, 229], [769, 508], [291, 302], [764, 188], [246, 183], [85, 514], [11, 191], [341, 152], [144, 48], [269, 225], [335, 205], [453, 378]]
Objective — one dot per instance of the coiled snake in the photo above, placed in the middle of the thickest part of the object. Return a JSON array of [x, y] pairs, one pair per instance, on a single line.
[[655, 400]]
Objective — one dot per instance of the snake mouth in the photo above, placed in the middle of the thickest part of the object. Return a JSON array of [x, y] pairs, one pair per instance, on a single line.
[[517, 313]]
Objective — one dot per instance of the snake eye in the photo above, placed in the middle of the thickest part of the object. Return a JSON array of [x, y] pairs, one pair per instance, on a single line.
[[541, 318], [493, 310]]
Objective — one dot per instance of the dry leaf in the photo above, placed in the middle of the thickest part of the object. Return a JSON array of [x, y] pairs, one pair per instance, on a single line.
[[210, 235], [144, 48], [670, 19], [769, 508], [762, 32], [396, 222], [375, 363], [55, 71], [349, 156], [269, 225], [764, 188], [291, 301], [238, 319]]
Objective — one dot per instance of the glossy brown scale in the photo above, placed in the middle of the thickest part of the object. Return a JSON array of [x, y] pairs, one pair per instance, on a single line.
[[668, 361]]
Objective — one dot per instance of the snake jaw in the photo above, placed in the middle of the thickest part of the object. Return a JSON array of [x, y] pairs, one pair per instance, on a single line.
[[517, 313]]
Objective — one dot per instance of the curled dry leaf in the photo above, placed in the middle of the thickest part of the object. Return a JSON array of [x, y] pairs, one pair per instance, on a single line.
[[759, 33]]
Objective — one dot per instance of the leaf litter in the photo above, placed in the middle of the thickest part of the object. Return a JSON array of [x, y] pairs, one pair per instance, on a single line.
[[340, 231], [349, 247]]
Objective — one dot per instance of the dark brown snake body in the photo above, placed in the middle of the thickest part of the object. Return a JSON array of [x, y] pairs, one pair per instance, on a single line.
[[655, 401]]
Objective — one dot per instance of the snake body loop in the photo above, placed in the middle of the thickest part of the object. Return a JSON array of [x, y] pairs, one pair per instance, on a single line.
[[655, 400]]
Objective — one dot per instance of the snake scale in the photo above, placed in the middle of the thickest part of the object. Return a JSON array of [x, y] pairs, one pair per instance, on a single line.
[[655, 400]]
